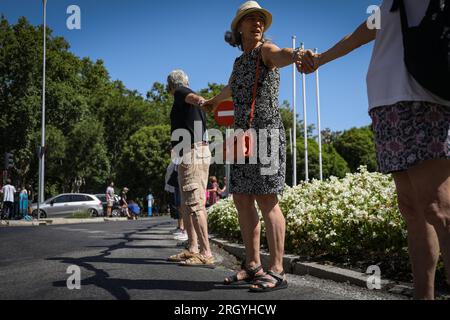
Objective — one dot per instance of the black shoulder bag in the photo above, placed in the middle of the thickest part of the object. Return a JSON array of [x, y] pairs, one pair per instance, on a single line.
[[427, 47]]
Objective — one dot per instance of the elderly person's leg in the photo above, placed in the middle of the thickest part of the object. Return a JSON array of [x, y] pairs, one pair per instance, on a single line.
[[194, 179], [431, 181], [200, 221], [275, 278], [251, 233], [190, 230], [192, 238], [250, 228], [275, 229], [422, 239]]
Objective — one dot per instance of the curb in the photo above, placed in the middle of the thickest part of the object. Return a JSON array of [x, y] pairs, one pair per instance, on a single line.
[[23, 223], [63, 221], [294, 265], [55, 222]]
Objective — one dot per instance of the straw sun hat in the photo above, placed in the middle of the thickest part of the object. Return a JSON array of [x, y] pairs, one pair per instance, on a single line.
[[250, 7]]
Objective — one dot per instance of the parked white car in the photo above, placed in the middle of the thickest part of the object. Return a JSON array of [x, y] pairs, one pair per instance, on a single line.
[[67, 204]]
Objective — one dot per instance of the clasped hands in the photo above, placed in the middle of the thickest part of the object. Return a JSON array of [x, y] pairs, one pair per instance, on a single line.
[[306, 61]]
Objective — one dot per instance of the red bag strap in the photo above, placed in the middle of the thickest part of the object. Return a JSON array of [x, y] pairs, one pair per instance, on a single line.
[[255, 89]]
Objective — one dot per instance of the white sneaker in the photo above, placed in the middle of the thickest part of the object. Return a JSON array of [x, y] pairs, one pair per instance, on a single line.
[[182, 237], [179, 232]]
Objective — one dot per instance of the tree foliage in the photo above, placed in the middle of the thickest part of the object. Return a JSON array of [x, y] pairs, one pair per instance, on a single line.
[[357, 147], [97, 130]]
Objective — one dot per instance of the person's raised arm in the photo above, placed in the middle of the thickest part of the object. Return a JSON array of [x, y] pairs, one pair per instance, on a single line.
[[225, 94], [361, 36], [275, 57], [195, 100]]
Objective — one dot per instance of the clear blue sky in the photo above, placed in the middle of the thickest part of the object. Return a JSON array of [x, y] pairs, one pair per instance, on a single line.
[[141, 41]]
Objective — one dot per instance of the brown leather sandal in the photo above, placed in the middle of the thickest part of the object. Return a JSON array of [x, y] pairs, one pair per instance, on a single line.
[[251, 273], [199, 260], [263, 284], [183, 256]]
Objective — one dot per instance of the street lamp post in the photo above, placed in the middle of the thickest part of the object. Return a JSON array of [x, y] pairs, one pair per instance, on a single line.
[[42, 148]]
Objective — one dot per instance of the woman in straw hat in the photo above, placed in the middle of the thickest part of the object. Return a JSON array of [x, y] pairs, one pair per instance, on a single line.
[[253, 182]]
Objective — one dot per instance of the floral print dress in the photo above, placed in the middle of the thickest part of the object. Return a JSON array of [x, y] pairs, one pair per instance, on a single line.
[[262, 178]]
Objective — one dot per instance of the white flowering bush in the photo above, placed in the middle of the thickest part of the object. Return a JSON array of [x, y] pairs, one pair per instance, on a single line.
[[223, 219], [351, 216]]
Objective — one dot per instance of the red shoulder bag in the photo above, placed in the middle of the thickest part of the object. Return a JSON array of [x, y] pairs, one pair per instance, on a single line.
[[241, 145]]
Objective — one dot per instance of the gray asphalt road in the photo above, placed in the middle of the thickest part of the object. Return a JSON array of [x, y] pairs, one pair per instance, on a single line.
[[127, 260]]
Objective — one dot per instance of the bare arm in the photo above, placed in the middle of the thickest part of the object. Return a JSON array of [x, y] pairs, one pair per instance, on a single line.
[[361, 36], [195, 100], [275, 57], [225, 94]]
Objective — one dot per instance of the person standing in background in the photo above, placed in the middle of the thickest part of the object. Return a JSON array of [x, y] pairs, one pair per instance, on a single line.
[[213, 190], [23, 203], [124, 202], [30, 199], [8, 192], [110, 198]]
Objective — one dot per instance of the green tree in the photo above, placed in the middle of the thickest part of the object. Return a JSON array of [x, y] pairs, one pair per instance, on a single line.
[[287, 116], [21, 91], [87, 157], [144, 161], [357, 147], [333, 163]]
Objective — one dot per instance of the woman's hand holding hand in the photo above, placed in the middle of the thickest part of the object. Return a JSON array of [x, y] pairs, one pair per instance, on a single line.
[[307, 61], [209, 105]]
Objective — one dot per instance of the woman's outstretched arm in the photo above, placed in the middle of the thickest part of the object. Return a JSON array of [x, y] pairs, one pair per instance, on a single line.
[[361, 36]]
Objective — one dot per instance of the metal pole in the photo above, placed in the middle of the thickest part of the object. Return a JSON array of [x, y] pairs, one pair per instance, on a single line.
[[305, 123], [292, 150], [42, 150], [228, 169], [290, 139], [294, 114], [319, 120]]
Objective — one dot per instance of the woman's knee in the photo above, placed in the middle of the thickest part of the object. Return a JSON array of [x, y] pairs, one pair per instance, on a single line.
[[409, 210], [438, 215], [268, 203], [244, 202]]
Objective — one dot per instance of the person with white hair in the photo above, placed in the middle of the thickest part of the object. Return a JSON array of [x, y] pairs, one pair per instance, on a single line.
[[186, 116]]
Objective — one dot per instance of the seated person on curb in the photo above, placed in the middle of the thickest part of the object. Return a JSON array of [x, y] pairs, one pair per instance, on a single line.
[[134, 209]]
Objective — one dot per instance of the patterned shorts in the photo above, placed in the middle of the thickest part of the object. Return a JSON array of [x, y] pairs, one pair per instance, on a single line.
[[408, 133]]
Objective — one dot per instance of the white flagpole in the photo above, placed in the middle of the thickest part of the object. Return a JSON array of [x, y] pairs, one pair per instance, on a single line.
[[41, 186], [305, 123], [290, 140], [294, 110], [319, 120]]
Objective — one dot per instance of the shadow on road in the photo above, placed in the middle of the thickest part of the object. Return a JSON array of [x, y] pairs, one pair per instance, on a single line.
[[118, 287]]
